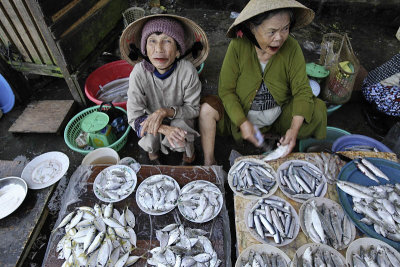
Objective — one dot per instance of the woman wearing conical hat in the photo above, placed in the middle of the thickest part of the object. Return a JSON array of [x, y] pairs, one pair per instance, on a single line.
[[263, 82], [164, 87]]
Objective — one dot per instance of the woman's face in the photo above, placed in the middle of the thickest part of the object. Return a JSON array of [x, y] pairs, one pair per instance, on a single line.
[[162, 51], [272, 32]]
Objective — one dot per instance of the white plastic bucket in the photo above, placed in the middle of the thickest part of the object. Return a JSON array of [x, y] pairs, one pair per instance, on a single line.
[[101, 156]]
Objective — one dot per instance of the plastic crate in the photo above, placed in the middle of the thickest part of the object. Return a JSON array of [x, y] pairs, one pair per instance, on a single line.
[[73, 129]]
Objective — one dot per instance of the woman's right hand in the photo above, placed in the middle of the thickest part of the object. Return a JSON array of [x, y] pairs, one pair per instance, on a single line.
[[175, 136], [248, 132]]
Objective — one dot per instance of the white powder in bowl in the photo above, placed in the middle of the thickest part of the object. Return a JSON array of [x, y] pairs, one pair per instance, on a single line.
[[11, 196]]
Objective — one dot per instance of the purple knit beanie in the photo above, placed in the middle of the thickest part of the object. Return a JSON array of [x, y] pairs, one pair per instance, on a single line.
[[168, 26]]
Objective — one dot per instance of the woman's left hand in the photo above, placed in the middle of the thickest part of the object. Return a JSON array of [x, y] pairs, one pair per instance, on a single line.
[[291, 134], [289, 139]]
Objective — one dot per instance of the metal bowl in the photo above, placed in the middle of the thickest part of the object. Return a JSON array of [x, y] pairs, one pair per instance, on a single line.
[[13, 191]]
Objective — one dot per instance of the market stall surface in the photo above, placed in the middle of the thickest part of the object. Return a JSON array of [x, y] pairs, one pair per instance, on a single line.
[[80, 193]]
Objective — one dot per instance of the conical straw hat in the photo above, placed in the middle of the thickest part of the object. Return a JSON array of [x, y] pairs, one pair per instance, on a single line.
[[193, 33], [303, 15]]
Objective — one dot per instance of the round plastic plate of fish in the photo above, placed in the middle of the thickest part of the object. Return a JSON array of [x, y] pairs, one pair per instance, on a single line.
[[300, 180], [158, 194], [114, 183], [321, 255], [45, 170], [200, 201], [252, 178], [367, 248], [350, 173], [324, 221], [272, 221], [265, 252]]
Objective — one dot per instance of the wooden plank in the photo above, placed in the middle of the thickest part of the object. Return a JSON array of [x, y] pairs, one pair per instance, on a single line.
[[48, 70], [54, 49], [82, 40], [25, 36], [51, 7], [19, 230], [45, 116], [70, 16], [13, 35], [145, 232], [34, 33]]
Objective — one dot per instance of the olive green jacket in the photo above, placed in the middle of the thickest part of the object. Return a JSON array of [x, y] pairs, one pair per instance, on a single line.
[[285, 77]]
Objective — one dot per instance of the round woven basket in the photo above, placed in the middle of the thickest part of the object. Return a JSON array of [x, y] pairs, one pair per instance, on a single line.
[[73, 129]]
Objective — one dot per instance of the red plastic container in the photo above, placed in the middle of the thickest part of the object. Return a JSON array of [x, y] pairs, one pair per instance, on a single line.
[[105, 74]]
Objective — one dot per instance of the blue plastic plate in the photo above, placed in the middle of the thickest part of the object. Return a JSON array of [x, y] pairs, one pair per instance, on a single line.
[[350, 173], [356, 140]]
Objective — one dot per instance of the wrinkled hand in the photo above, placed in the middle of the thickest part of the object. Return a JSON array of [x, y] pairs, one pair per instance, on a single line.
[[289, 139], [248, 132], [175, 135], [153, 122]]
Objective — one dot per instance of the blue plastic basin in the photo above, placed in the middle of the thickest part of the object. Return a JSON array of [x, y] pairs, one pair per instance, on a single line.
[[358, 140], [7, 98], [332, 133]]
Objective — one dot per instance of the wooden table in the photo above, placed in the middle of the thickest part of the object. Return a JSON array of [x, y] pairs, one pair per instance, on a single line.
[[243, 236], [19, 230], [80, 192]]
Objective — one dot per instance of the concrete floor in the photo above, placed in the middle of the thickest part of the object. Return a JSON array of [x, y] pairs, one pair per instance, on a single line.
[[372, 43]]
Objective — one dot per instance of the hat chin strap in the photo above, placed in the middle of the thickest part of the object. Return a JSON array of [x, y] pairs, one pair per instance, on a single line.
[[246, 31], [135, 52]]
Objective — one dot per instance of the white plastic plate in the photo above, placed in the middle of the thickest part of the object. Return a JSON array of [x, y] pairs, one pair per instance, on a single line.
[[45, 170], [283, 188], [188, 186], [270, 240], [259, 162], [99, 180], [13, 191], [260, 248], [329, 204], [140, 188]]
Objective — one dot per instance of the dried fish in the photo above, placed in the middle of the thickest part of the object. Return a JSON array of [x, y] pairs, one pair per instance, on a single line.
[[252, 177], [320, 255], [374, 255], [277, 153]]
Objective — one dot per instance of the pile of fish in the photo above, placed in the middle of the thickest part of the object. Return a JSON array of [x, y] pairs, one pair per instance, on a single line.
[[329, 164], [252, 178], [263, 259], [319, 256], [157, 194], [114, 91], [379, 204], [374, 256], [98, 236], [277, 153], [200, 201], [302, 181], [273, 217], [115, 183], [364, 148], [327, 225], [370, 170], [180, 246]]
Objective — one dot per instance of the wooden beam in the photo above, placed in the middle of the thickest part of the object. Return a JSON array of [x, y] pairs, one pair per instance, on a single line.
[[39, 18], [40, 69]]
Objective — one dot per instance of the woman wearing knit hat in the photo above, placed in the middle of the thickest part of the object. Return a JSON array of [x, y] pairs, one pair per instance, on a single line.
[[263, 82], [164, 87]]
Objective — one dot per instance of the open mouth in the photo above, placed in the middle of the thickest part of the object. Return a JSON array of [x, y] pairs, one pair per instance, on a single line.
[[274, 48]]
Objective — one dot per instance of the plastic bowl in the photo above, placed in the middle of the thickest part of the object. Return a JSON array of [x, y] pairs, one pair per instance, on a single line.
[[332, 134], [331, 108], [7, 98], [103, 155], [358, 140]]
